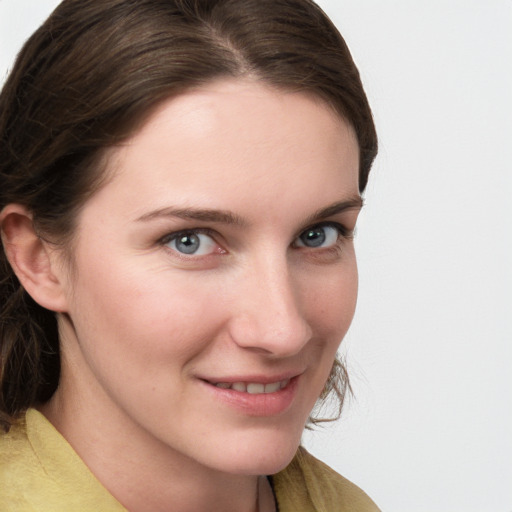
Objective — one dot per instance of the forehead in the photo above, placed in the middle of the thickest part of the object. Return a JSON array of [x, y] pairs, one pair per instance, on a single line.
[[210, 142]]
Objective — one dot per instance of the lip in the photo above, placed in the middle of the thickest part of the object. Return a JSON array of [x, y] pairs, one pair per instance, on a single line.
[[264, 404]]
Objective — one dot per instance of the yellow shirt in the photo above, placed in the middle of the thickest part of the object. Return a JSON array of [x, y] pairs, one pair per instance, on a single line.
[[40, 472]]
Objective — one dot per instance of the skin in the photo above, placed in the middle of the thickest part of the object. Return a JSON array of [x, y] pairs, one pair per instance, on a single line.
[[143, 327]]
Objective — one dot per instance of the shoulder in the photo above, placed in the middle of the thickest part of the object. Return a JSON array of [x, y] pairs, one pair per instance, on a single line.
[[17, 457], [309, 485], [39, 471], [18, 467]]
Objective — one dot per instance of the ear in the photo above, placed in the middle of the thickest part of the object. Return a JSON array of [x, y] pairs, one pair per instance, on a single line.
[[34, 262]]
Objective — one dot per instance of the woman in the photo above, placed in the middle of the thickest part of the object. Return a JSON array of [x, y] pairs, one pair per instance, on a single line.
[[180, 181]]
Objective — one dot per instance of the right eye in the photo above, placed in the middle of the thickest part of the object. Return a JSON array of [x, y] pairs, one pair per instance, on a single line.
[[191, 243]]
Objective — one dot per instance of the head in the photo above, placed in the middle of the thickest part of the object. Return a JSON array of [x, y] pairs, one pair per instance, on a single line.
[[90, 79]]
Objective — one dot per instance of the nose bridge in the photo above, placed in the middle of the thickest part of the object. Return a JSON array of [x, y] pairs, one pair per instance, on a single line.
[[272, 317]]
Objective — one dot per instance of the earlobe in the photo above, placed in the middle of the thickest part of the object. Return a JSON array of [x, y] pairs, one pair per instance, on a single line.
[[31, 258]]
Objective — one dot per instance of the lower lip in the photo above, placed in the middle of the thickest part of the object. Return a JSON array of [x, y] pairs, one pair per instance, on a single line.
[[262, 404]]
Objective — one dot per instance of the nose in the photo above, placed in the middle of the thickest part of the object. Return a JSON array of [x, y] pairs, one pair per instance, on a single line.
[[269, 310]]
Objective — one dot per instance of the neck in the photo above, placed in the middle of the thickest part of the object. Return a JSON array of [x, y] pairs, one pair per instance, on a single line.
[[142, 470], [143, 474], [156, 479]]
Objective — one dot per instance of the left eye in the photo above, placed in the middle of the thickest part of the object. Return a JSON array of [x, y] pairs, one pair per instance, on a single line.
[[192, 243], [318, 236]]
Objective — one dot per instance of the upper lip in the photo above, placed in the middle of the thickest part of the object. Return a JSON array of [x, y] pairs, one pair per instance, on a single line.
[[257, 378]]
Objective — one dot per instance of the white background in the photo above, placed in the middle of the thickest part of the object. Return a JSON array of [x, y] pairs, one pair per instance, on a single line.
[[430, 350]]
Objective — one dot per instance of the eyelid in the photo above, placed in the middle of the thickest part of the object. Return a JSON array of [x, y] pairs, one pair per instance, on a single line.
[[175, 234], [344, 231]]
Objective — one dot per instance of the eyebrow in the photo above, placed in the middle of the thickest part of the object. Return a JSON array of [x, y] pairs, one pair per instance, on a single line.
[[354, 203], [227, 217], [201, 214]]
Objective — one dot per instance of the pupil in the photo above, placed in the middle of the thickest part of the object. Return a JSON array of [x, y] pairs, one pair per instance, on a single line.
[[188, 244], [314, 237]]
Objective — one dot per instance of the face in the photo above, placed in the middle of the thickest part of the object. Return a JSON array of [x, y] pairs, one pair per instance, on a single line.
[[214, 277]]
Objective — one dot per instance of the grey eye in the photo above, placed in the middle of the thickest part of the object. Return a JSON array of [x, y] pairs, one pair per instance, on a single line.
[[318, 236], [191, 243], [188, 244]]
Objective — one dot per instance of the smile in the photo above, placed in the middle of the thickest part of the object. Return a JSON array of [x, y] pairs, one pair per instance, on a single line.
[[253, 388], [255, 396]]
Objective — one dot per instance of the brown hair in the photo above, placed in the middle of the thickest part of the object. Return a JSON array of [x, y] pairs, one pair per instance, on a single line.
[[84, 81]]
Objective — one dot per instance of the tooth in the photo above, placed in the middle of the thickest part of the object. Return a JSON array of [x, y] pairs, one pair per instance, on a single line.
[[285, 383], [272, 388], [223, 385], [239, 386], [254, 388]]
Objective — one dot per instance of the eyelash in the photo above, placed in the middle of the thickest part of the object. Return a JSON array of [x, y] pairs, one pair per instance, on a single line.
[[343, 234]]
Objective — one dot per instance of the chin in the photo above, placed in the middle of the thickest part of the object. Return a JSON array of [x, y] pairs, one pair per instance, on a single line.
[[262, 454]]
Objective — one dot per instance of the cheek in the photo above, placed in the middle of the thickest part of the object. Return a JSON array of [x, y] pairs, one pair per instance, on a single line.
[[331, 300], [141, 313]]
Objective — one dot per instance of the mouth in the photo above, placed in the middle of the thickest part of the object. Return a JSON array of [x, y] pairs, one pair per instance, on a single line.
[[255, 396], [253, 388]]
